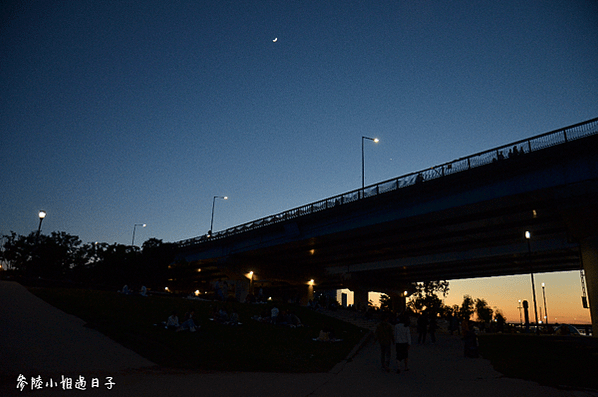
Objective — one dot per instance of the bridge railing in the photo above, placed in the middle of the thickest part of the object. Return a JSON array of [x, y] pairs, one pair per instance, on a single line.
[[502, 153]]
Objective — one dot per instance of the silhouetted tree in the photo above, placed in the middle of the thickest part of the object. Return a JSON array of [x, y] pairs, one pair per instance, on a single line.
[[116, 265], [385, 303], [19, 252], [467, 307], [155, 258], [34, 256], [500, 320], [483, 311], [426, 296], [63, 256]]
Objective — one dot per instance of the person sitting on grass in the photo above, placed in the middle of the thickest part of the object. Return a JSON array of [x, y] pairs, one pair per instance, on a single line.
[[234, 318], [188, 323], [292, 320], [173, 321], [326, 334], [274, 315], [222, 315]]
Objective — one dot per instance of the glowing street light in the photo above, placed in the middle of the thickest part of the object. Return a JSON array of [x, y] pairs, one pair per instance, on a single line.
[[134, 226], [212, 221], [42, 214], [363, 138]]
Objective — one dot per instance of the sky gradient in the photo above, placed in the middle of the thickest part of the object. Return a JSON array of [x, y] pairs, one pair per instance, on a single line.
[[116, 113]]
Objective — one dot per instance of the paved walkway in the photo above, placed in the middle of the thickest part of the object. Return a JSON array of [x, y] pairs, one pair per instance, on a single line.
[[38, 339]]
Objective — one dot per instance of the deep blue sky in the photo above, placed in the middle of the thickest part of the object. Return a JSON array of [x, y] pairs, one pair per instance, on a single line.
[[121, 112]]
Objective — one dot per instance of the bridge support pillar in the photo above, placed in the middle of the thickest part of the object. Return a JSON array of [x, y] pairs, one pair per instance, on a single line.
[[360, 299], [589, 257], [306, 294], [399, 303]]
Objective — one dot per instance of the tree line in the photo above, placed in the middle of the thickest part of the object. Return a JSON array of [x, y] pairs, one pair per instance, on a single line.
[[64, 257], [426, 298]]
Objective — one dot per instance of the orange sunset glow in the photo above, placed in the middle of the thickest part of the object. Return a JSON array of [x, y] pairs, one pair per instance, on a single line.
[[562, 289], [563, 293]]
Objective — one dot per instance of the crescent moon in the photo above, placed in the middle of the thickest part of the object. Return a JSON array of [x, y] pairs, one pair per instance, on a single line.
[[275, 40]]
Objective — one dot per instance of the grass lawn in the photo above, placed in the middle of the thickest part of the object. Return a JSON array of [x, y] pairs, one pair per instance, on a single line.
[[547, 359], [253, 346]]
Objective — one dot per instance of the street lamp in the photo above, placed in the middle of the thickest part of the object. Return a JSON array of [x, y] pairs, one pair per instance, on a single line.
[[42, 214], [213, 204], [520, 318], [545, 312], [134, 226], [363, 138], [528, 237]]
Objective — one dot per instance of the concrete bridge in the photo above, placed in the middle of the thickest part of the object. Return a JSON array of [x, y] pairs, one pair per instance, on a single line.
[[462, 219]]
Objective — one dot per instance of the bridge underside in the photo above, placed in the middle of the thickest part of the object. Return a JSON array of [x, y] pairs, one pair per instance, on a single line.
[[466, 225], [482, 240]]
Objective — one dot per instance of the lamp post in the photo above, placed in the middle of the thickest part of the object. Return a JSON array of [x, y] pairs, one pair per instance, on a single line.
[[528, 237], [134, 226], [42, 214], [545, 311], [520, 307], [213, 204], [363, 138]]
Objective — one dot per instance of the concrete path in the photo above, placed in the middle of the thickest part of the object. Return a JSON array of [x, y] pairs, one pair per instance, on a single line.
[[37, 339]]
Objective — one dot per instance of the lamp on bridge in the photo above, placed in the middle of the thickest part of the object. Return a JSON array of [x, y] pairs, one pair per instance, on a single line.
[[135, 226], [363, 138], [528, 237], [213, 204]]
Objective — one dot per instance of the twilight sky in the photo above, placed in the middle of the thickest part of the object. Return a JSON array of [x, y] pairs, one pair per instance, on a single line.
[[116, 113]]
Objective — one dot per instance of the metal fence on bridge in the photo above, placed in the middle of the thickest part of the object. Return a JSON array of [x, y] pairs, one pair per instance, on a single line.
[[533, 144]]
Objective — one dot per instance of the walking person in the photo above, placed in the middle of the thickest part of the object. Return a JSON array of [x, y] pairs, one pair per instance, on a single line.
[[384, 335], [454, 324], [402, 341], [422, 328], [432, 327]]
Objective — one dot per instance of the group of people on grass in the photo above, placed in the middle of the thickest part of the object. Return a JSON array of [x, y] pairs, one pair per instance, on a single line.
[[220, 315], [274, 316], [127, 291], [186, 325]]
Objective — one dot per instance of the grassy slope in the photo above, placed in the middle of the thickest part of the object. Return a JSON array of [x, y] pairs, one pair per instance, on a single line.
[[254, 346]]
